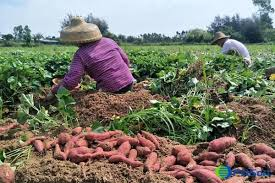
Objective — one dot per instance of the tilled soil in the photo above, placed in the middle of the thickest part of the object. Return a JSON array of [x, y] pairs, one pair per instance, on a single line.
[[263, 116], [103, 107]]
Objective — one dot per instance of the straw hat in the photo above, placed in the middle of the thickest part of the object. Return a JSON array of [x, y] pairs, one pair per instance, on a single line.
[[218, 36], [80, 32]]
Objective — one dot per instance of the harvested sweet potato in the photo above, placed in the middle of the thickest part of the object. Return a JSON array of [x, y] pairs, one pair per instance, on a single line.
[[146, 143], [39, 146], [80, 154], [124, 148], [211, 168], [181, 174], [230, 159], [81, 143], [49, 144], [167, 162], [151, 137], [262, 148], [205, 176], [107, 145], [263, 156], [121, 158], [244, 160], [133, 154], [156, 166], [178, 148], [150, 161], [58, 154], [6, 174], [208, 163], [5, 129], [77, 131], [271, 165], [184, 157], [31, 140], [143, 151], [220, 144], [266, 180], [132, 141], [88, 129], [212, 156], [172, 173], [260, 163], [189, 179], [235, 180], [191, 164], [177, 167], [63, 138], [102, 136]]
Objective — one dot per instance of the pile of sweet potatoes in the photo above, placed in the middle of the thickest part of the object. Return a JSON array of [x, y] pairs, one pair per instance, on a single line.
[[82, 145]]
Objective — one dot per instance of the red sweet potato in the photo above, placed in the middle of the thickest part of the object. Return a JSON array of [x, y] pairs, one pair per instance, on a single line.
[[151, 137], [177, 167], [205, 176], [58, 154], [212, 156], [49, 144], [81, 143], [124, 148], [262, 148], [146, 143], [260, 163], [230, 159], [80, 154], [150, 161], [167, 162], [244, 160], [208, 163], [31, 140], [263, 156], [184, 157], [178, 148], [107, 145], [189, 179], [266, 180], [7, 175], [88, 129], [143, 151], [211, 168], [102, 136], [271, 165], [181, 174], [133, 154], [5, 129], [77, 131], [156, 166], [235, 180], [39, 146], [191, 164], [132, 141], [63, 138], [121, 158], [220, 144]]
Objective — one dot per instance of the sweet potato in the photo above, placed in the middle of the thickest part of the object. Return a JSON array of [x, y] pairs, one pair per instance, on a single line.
[[88, 129], [102, 136], [220, 144], [133, 154], [132, 141], [189, 179], [107, 145], [260, 163], [63, 138], [178, 148], [121, 158], [80, 154], [263, 156], [151, 137], [211, 168], [156, 166], [167, 162], [58, 154], [49, 144], [262, 148], [271, 165], [212, 156], [39, 146], [208, 163], [150, 161], [146, 143], [230, 159], [143, 151], [191, 164], [124, 148], [5, 129], [31, 140], [235, 180], [177, 167], [77, 131], [244, 160], [267, 180], [184, 157], [7, 175], [81, 143], [205, 176], [172, 173]]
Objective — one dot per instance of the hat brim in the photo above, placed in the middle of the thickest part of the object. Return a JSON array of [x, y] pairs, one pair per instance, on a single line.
[[216, 40]]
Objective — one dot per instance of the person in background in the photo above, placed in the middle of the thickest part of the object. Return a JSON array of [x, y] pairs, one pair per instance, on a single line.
[[231, 46], [101, 58]]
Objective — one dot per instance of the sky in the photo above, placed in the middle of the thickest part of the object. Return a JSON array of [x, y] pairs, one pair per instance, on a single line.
[[128, 17]]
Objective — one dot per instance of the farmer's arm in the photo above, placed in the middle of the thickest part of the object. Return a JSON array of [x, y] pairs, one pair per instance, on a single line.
[[73, 77]]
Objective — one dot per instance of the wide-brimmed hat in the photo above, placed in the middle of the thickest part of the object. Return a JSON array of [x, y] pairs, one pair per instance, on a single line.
[[218, 36], [80, 32]]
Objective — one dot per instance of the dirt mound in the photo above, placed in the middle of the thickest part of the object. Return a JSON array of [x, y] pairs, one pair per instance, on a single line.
[[263, 116], [104, 107]]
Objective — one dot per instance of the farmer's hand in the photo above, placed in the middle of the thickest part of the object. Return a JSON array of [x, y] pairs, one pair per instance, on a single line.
[[247, 62]]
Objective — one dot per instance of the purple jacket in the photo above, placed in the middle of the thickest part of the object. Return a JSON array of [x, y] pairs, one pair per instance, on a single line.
[[104, 61]]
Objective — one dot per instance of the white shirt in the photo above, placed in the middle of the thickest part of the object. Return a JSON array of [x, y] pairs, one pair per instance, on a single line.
[[237, 46]]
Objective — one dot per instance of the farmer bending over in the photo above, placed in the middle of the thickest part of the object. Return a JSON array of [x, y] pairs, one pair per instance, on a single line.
[[101, 58], [230, 46]]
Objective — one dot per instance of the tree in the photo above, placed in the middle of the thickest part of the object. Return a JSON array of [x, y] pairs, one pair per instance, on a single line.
[[27, 35], [18, 32], [7, 38], [265, 9], [102, 24], [37, 37], [198, 36]]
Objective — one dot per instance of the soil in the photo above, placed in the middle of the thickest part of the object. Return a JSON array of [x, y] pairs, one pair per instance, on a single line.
[[263, 128], [103, 107]]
